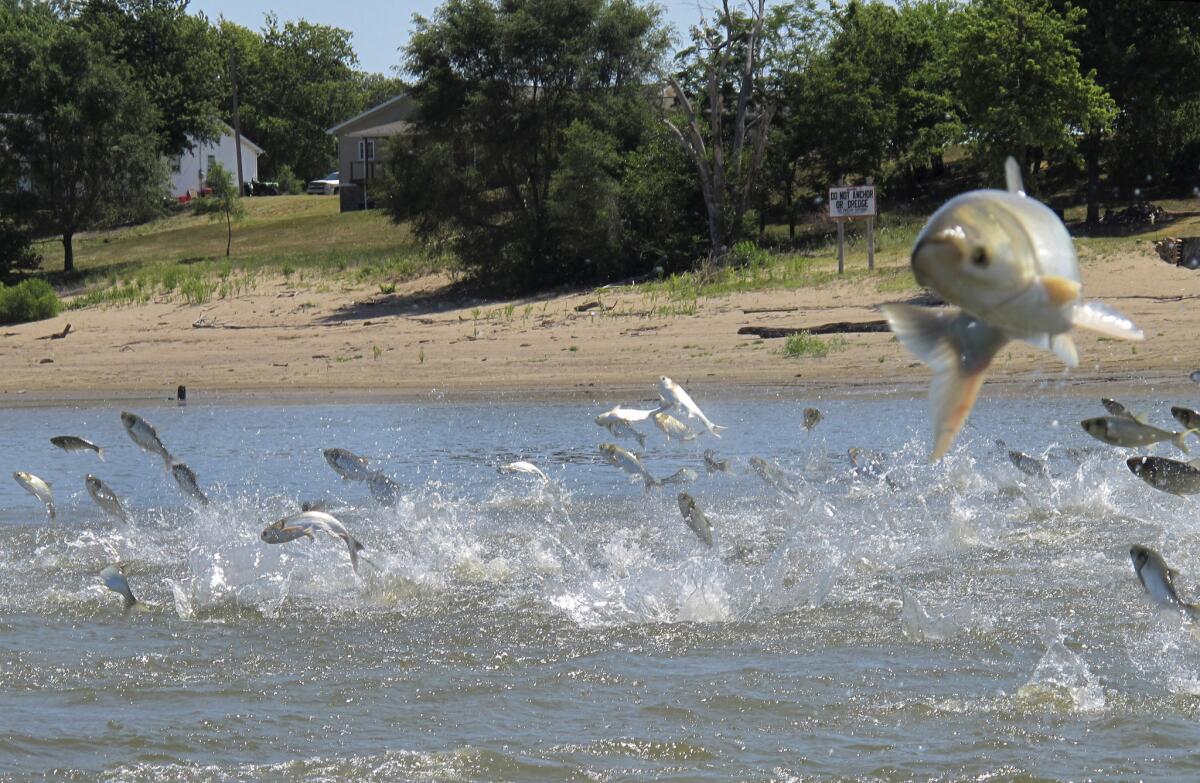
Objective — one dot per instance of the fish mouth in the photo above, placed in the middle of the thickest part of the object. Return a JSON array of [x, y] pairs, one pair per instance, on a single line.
[[946, 250]]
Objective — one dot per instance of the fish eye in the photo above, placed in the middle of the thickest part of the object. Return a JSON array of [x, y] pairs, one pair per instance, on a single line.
[[979, 257]]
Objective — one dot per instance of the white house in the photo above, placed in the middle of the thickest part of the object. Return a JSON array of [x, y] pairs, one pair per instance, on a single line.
[[189, 170]]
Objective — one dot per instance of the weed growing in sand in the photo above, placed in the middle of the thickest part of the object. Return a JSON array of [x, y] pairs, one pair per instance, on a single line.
[[808, 344], [377, 352], [421, 356], [387, 288]]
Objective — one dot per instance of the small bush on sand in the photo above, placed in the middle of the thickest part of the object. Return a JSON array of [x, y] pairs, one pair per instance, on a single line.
[[29, 300], [807, 344]]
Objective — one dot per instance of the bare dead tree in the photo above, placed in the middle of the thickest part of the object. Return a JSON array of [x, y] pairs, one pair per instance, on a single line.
[[726, 181]]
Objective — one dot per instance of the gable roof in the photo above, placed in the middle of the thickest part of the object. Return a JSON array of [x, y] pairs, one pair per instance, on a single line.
[[334, 130], [257, 149]]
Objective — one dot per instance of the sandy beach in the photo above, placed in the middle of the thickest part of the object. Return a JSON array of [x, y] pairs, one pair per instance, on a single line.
[[421, 341]]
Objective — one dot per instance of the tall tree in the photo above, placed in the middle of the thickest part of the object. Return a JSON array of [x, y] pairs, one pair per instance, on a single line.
[[173, 57], [76, 125], [1147, 57], [523, 109], [295, 81], [726, 65], [1020, 83]]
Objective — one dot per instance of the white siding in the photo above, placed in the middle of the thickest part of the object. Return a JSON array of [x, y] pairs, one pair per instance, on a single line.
[[193, 164]]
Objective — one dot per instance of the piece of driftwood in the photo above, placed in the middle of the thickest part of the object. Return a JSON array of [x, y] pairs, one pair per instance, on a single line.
[[752, 310], [58, 335], [583, 308], [838, 327]]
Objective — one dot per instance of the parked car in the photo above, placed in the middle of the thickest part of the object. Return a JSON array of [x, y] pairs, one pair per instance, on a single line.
[[327, 186]]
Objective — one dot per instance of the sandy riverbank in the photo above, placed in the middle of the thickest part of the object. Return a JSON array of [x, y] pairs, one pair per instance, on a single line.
[[286, 344]]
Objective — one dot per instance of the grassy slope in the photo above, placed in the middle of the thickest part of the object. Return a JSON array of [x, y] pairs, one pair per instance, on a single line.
[[303, 235], [307, 240]]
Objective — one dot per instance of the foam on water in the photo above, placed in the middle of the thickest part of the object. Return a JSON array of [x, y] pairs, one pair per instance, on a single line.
[[570, 629]]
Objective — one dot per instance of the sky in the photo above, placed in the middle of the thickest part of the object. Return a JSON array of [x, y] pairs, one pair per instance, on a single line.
[[380, 27]]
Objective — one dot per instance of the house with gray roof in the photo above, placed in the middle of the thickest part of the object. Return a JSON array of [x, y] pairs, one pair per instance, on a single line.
[[361, 142]]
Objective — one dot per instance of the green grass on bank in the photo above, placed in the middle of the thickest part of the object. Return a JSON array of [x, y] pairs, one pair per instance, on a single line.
[[308, 242], [303, 238]]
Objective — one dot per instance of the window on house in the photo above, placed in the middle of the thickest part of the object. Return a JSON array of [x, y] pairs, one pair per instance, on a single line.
[[370, 149], [362, 150], [212, 161], [176, 164]]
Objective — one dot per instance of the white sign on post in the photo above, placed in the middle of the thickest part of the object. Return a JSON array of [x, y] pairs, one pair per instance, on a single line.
[[851, 202]]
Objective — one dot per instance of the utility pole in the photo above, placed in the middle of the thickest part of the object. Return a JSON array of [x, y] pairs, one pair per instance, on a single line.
[[237, 122]]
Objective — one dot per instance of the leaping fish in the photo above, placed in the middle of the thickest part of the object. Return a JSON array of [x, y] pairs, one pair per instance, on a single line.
[[115, 580], [673, 395], [348, 465], [527, 468], [38, 488], [1007, 260], [105, 498], [619, 422], [306, 523], [146, 437], [628, 462], [71, 443], [185, 477]]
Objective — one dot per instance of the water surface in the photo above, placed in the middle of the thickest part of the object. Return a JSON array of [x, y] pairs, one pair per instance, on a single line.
[[959, 621]]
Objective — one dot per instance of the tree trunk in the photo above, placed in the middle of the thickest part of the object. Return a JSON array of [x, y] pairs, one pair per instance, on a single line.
[[229, 236], [68, 251], [1093, 180]]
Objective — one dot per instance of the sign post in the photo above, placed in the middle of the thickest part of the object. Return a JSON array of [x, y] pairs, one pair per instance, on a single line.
[[848, 203]]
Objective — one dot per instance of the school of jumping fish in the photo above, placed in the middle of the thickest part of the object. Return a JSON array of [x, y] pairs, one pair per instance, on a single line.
[[1004, 259]]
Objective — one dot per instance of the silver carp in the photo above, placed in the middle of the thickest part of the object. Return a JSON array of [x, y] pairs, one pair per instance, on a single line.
[[71, 443], [628, 462], [1130, 433], [146, 437], [38, 488], [348, 465], [673, 428], [185, 477], [695, 518], [1159, 579], [674, 396], [105, 498], [1008, 262], [305, 524], [114, 579], [1168, 475]]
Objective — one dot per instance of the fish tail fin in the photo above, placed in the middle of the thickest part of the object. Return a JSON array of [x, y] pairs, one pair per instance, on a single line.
[[1064, 348], [1180, 440], [958, 348], [355, 546], [100, 453], [50, 508], [641, 439], [714, 430], [1105, 320], [129, 600], [168, 461]]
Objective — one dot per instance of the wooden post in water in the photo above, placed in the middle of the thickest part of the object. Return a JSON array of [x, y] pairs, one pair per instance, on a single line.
[[841, 245]]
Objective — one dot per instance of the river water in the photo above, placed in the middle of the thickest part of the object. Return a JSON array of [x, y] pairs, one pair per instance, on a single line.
[[960, 621]]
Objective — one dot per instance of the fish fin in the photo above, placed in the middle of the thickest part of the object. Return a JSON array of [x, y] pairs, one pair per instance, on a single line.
[[129, 600], [1192, 610], [50, 508], [355, 546], [100, 453], [958, 348], [1064, 348], [1180, 440], [1012, 176], [713, 429], [1060, 291], [641, 439], [1105, 320]]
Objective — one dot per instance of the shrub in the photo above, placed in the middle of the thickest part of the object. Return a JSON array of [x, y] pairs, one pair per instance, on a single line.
[[289, 183], [808, 344], [29, 300], [16, 247]]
